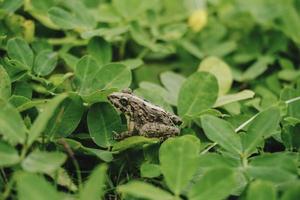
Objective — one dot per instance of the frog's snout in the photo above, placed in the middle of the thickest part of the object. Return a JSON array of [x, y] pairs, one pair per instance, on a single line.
[[114, 100]]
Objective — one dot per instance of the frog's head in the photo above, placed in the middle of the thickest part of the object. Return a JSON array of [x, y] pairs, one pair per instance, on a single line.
[[121, 101]]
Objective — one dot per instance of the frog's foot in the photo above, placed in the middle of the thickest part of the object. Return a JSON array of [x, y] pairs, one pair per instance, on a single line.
[[161, 131], [121, 136]]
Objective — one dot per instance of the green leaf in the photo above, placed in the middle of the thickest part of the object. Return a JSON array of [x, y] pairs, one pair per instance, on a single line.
[[259, 67], [197, 94], [98, 96], [62, 178], [221, 70], [278, 168], [45, 62], [5, 85], [63, 18], [149, 170], [12, 127], [261, 190], [211, 160], [222, 132], [103, 120], [19, 50], [100, 50], [66, 118], [85, 71], [263, 126], [8, 155], [292, 193], [132, 63], [133, 142], [11, 6], [94, 187], [43, 118], [43, 161], [144, 191], [113, 75], [101, 154], [155, 94], [172, 83], [230, 98], [129, 9], [181, 152], [215, 184], [34, 187]]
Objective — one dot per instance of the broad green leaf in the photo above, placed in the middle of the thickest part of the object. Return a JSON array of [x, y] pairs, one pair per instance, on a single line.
[[155, 94], [129, 9], [35, 187], [63, 18], [5, 85], [43, 161], [221, 131], [18, 101], [261, 190], [263, 126], [98, 96], [43, 118], [82, 14], [70, 60], [144, 190], [132, 63], [8, 155], [12, 127], [197, 94], [22, 88], [94, 187], [259, 67], [10, 6], [113, 75], [172, 83], [100, 50], [292, 193], [45, 62], [276, 167], [215, 184], [23, 103], [66, 118], [291, 93], [211, 160], [19, 50], [62, 178], [181, 152], [230, 98], [103, 120], [106, 156], [133, 142], [221, 70], [149, 170], [85, 71]]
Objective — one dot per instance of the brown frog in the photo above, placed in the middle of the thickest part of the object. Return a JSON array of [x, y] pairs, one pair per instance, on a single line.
[[144, 118]]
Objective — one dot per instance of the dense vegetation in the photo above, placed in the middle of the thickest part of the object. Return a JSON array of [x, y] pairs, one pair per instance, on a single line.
[[228, 68]]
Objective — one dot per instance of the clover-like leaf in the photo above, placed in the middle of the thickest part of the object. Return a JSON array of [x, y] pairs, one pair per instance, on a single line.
[[178, 160], [103, 120], [197, 94]]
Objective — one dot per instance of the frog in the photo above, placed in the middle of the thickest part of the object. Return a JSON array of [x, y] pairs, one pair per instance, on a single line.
[[144, 118]]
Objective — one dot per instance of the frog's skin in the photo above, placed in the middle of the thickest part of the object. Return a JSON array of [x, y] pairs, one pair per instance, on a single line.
[[144, 118]]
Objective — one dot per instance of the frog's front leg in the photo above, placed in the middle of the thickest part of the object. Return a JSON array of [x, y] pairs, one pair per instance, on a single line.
[[158, 130]]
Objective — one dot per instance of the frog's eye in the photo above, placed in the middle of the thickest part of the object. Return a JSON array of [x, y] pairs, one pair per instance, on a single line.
[[124, 101]]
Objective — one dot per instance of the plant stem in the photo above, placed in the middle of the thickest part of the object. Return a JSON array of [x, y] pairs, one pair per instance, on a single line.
[[292, 100], [74, 161]]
